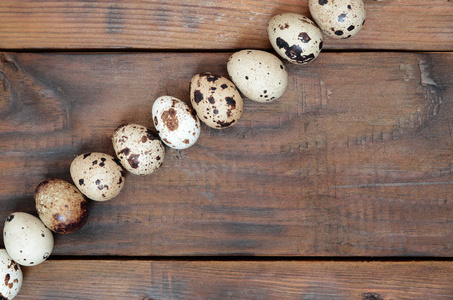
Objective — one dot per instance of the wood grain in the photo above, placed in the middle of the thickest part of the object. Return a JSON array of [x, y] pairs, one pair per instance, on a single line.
[[194, 24], [354, 160], [79, 279]]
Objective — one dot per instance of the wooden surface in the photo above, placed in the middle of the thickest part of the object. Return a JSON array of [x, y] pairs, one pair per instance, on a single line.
[[334, 167], [194, 24], [238, 280], [353, 164]]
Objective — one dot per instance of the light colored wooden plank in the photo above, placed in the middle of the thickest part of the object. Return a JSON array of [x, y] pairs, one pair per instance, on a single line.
[[355, 158], [81, 279], [150, 24]]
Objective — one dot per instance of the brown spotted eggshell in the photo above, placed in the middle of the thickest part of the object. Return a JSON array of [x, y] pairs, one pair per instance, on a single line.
[[27, 240], [259, 75], [339, 19], [10, 276], [216, 100], [60, 205], [176, 123], [97, 175], [295, 37], [138, 149]]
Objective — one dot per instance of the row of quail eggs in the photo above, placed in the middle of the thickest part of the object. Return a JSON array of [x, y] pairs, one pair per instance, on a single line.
[[216, 100]]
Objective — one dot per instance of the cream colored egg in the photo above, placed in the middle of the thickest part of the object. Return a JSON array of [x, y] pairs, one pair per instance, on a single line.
[[340, 19], [61, 206], [97, 175], [11, 276], [138, 149], [295, 37], [216, 100], [27, 240], [176, 123], [259, 75]]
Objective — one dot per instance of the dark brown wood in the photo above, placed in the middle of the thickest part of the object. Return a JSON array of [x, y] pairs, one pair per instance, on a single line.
[[194, 24], [354, 160], [80, 279]]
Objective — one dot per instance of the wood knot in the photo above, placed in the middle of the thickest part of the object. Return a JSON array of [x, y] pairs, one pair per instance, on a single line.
[[7, 60]]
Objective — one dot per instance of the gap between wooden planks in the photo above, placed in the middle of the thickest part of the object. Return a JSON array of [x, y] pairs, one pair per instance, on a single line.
[[103, 279], [195, 24], [354, 160]]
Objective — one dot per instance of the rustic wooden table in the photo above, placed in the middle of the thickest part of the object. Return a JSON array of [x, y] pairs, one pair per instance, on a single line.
[[341, 189]]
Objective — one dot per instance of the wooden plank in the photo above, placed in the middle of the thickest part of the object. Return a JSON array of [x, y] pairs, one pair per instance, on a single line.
[[354, 159], [194, 24], [80, 279]]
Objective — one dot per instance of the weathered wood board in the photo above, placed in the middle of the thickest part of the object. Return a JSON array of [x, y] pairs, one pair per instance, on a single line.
[[104, 279], [193, 24], [354, 160]]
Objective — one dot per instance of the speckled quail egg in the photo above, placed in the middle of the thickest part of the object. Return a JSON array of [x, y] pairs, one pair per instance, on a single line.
[[295, 37], [10, 275], [27, 240], [259, 75], [97, 175], [176, 123], [138, 149], [216, 100], [339, 19], [60, 205]]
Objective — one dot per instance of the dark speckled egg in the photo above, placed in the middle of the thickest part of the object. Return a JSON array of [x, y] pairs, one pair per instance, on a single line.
[[138, 149], [60, 205], [176, 123], [12, 275], [216, 100], [339, 19], [295, 37], [98, 176]]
